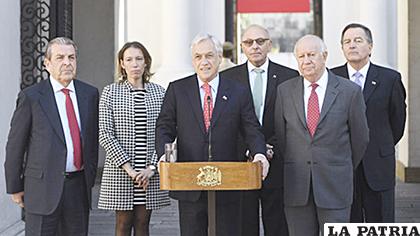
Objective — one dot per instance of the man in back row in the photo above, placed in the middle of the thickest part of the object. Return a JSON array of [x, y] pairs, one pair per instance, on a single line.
[[262, 76], [384, 95]]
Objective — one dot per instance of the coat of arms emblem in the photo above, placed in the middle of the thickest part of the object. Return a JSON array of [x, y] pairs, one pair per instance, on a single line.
[[209, 176]]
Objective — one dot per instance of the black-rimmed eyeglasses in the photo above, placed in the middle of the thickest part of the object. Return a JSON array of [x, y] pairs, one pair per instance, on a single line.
[[250, 42]]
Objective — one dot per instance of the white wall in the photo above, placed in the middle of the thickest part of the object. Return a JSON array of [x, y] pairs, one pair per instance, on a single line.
[[378, 15], [9, 87], [166, 28]]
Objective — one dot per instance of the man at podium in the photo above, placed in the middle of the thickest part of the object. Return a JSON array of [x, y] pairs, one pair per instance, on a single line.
[[206, 113]]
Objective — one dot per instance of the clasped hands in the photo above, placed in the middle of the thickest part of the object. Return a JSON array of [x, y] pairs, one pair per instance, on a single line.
[[142, 177]]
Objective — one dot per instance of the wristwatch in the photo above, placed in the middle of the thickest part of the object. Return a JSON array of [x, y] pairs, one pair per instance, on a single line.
[[153, 168]]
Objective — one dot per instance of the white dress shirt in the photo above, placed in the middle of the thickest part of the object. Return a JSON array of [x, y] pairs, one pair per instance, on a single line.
[[362, 71], [60, 99], [214, 85], [320, 91], [252, 76]]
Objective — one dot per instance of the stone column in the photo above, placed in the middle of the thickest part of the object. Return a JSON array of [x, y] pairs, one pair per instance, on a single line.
[[9, 88], [380, 17], [176, 33], [408, 166]]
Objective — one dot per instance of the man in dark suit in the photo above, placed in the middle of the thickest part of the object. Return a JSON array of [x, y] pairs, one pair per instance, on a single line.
[[52, 148], [384, 95], [187, 114], [262, 76], [322, 138]]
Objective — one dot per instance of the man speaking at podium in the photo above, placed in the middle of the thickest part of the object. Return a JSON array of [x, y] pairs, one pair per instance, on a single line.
[[206, 113]]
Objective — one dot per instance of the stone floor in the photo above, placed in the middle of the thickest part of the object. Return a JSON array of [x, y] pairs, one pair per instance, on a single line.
[[164, 222]]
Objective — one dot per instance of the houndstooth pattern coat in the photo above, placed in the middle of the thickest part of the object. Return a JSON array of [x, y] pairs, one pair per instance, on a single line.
[[116, 135]]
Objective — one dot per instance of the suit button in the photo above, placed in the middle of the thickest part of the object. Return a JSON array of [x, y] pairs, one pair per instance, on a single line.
[[309, 162]]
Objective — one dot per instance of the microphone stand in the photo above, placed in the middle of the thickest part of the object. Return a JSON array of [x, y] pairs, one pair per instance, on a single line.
[[211, 194]]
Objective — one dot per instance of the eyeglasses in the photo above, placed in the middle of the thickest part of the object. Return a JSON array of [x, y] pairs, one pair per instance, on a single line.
[[250, 42]]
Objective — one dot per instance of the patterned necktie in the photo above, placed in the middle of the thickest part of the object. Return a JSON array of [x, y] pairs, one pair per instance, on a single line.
[[74, 131], [208, 105], [313, 110], [257, 91], [358, 79]]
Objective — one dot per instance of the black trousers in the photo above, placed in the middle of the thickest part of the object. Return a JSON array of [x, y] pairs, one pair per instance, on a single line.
[[273, 217], [369, 205], [71, 216], [194, 221]]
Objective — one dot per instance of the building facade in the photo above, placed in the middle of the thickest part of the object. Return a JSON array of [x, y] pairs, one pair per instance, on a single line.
[[166, 27]]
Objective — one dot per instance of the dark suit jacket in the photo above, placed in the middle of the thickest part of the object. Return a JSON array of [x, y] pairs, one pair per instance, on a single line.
[[181, 117], [277, 74], [327, 160], [36, 149], [384, 96]]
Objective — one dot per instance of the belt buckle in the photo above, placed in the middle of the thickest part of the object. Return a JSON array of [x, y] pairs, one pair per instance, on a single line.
[[71, 174]]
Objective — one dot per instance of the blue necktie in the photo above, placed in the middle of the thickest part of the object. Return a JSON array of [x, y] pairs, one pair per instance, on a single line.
[[358, 79]]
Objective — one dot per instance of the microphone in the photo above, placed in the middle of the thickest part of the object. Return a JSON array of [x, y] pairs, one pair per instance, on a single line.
[[210, 158]]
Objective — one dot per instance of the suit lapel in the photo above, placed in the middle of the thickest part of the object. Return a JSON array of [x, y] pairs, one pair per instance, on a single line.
[[297, 95], [330, 95], [222, 100], [194, 97], [49, 106], [243, 75], [343, 72], [83, 106], [371, 82], [271, 87]]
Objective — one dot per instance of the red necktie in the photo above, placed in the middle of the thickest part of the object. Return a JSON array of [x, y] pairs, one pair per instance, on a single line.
[[208, 105], [74, 130], [313, 111]]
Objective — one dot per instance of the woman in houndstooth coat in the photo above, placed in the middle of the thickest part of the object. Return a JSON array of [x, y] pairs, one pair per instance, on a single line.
[[128, 110]]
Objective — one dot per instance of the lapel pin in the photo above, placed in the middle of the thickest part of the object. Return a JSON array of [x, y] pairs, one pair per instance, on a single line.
[[274, 76], [224, 98], [373, 82]]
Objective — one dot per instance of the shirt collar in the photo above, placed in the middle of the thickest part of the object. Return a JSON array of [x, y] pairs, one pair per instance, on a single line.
[[131, 88], [214, 83], [252, 67], [57, 87], [322, 82], [362, 71]]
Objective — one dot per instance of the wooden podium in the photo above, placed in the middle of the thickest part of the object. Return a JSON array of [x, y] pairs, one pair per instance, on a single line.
[[210, 176]]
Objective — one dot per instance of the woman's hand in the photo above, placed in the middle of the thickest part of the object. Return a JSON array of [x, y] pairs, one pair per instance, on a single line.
[[143, 177]]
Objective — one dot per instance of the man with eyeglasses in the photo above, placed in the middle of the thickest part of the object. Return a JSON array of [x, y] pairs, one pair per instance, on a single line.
[[384, 96], [262, 77]]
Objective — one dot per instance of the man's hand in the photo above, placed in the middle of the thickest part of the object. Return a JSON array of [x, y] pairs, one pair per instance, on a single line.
[[270, 152], [265, 164], [18, 198]]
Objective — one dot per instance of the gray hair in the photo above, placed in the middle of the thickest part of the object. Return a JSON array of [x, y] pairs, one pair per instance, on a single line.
[[59, 41], [321, 43], [206, 36]]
